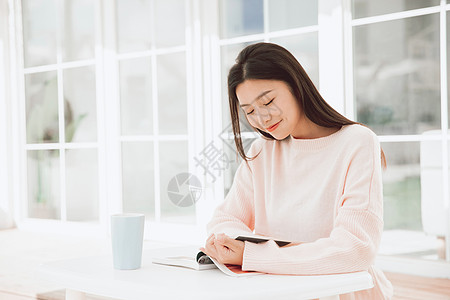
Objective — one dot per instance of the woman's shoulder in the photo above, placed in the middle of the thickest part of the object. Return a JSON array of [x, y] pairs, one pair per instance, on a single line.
[[257, 145], [358, 134], [262, 147]]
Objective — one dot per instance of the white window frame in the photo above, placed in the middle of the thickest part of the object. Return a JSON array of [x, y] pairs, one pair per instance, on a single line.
[[108, 121], [157, 229], [5, 203], [19, 129]]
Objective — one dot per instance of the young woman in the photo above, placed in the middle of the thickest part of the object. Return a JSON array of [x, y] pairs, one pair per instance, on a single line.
[[314, 180]]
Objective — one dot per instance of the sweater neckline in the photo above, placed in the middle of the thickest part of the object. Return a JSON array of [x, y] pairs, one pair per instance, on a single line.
[[317, 143]]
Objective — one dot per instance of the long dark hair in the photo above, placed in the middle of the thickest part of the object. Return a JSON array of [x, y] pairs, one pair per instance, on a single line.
[[273, 62]]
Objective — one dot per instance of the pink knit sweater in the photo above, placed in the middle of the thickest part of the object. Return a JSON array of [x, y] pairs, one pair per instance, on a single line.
[[325, 194]]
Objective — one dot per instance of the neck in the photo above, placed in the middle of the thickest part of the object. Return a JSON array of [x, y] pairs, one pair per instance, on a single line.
[[310, 130]]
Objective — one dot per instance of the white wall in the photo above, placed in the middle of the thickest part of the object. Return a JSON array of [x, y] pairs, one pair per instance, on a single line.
[[5, 163]]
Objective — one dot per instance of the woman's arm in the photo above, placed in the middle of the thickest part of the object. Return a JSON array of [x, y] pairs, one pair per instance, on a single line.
[[236, 213]]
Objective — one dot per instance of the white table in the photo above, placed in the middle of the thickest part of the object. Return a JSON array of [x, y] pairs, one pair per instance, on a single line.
[[95, 275]]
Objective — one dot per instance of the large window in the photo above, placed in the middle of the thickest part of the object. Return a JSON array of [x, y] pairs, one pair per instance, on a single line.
[[107, 109], [399, 70], [152, 61], [60, 110]]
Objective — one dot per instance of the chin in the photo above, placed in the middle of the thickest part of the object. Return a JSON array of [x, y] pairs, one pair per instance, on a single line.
[[283, 137], [278, 136]]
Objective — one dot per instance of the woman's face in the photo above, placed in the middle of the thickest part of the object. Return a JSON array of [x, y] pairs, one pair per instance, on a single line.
[[270, 106]]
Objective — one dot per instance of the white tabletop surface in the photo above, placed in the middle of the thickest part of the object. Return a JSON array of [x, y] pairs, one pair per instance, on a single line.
[[96, 275]]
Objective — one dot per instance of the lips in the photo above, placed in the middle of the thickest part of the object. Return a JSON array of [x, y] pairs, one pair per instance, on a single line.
[[273, 127]]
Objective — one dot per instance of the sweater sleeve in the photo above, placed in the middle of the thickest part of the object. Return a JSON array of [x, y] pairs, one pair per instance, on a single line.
[[236, 213], [354, 239]]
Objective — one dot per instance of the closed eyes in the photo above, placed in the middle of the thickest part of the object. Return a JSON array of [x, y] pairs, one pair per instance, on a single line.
[[269, 102], [266, 104]]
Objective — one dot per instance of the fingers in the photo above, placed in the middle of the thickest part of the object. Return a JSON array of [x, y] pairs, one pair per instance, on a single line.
[[210, 240], [210, 248], [215, 248], [225, 241], [224, 249]]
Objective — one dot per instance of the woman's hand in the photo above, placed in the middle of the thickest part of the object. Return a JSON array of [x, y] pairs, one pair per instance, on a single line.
[[224, 249]]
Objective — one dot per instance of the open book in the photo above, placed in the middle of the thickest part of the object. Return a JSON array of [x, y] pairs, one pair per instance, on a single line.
[[197, 260]]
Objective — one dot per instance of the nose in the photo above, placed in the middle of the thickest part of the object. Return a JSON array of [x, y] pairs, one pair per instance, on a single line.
[[264, 116]]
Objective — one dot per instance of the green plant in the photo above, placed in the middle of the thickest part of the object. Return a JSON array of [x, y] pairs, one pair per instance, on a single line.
[[402, 202]]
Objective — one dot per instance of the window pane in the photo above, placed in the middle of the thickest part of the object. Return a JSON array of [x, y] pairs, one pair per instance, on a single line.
[[241, 17], [79, 30], [41, 93], [367, 8], [412, 185], [80, 105], [138, 178], [396, 67], [134, 25], [172, 102], [39, 32], [402, 186], [173, 164], [286, 14], [82, 185], [305, 48], [170, 31], [228, 55], [136, 103], [43, 184], [230, 151]]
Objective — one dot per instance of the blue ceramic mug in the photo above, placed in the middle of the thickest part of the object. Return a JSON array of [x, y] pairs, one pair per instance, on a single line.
[[127, 235]]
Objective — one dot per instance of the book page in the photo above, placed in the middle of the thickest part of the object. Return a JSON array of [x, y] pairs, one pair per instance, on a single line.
[[234, 270], [181, 257]]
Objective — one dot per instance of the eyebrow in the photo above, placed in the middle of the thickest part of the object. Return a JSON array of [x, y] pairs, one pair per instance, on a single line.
[[258, 97]]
